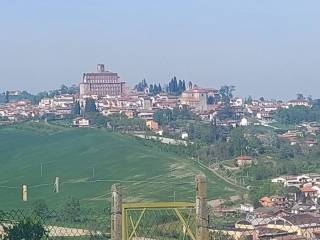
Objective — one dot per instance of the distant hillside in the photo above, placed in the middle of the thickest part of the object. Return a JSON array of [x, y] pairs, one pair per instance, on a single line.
[[74, 154]]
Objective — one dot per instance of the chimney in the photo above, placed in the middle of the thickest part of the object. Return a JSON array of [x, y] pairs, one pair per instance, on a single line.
[[100, 68]]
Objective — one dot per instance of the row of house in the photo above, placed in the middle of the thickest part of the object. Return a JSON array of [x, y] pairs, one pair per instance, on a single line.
[[20, 110], [277, 225], [297, 180]]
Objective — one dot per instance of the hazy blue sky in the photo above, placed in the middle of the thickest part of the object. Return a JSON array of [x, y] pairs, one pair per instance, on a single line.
[[264, 47]]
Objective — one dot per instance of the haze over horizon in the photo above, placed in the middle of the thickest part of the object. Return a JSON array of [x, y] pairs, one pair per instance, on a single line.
[[264, 48]]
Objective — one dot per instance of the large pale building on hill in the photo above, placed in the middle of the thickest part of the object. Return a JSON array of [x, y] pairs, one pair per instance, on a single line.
[[101, 83]]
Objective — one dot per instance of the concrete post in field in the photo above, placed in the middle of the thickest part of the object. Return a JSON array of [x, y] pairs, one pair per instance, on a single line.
[[57, 185], [24, 193], [116, 212], [202, 213]]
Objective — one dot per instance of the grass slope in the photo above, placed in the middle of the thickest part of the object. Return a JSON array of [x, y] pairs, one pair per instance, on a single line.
[[144, 172]]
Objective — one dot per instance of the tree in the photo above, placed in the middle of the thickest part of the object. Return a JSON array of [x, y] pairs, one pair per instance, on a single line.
[[76, 108], [7, 97], [226, 93], [155, 89], [226, 112], [210, 100], [71, 209], [238, 143], [297, 114], [163, 116], [64, 89], [300, 96], [176, 87], [90, 106], [265, 189], [40, 208], [183, 85], [249, 100], [141, 85]]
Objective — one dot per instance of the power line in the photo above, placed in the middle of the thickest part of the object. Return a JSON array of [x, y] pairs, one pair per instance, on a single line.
[[9, 187], [72, 181]]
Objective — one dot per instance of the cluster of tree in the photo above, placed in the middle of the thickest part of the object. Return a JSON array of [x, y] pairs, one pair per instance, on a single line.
[[265, 189], [189, 150], [71, 210], [141, 86], [226, 94], [176, 87], [228, 145], [73, 89], [300, 96], [36, 98], [278, 157], [76, 110], [120, 122], [165, 116], [298, 114], [28, 229], [89, 107], [155, 89], [116, 122], [204, 132], [32, 229]]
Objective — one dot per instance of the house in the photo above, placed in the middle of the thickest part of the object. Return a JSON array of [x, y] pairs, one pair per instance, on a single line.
[[129, 113], [244, 122], [300, 207], [296, 181], [299, 102], [266, 202], [147, 115], [310, 142], [81, 122], [184, 135], [244, 161], [237, 102], [246, 208], [309, 193], [152, 125], [273, 201]]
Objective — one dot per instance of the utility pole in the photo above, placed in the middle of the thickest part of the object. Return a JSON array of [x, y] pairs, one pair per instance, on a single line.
[[116, 212], [93, 173], [202, 213], [41, 169]]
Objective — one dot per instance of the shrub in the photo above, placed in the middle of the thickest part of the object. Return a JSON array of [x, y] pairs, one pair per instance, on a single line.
[[27, 230]]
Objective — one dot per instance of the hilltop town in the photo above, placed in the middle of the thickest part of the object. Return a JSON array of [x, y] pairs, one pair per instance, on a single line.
[[267, 148], [111, 95]]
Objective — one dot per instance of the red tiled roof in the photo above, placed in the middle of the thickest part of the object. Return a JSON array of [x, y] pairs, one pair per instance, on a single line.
[[244, 158], [307, 189]]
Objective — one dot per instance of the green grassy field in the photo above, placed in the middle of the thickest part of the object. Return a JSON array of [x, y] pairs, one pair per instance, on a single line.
[[145, 173]]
